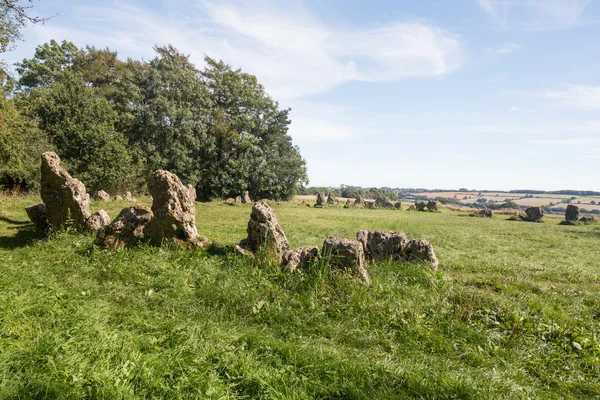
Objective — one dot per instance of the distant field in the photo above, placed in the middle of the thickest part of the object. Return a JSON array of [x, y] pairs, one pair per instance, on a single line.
[[513, 312], [519, 198]]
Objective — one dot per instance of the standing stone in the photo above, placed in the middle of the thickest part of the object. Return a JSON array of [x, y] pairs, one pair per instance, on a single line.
[[587, 219], [65, 197], [129, 197], [379, 245], [98, 220], [331, 199], [432, 205], [246, 198], [174, 211], [126, 229], [118, 197], [486, 212], [398, 205], [320, 200], [101, 195], [572, 213], [299, 258], [37, 215], [346, 254], [420, 205], [412, 207], [359, 201], [420, 250], [382, 202], [238, 200], [230, 200], [534, 214], [348, 203], [264, 231]]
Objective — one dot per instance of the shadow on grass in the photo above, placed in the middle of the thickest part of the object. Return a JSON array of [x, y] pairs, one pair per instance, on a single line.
[[13, 221], [24, 237]]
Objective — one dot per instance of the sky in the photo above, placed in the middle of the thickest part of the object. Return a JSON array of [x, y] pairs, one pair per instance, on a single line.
[[482, 94]]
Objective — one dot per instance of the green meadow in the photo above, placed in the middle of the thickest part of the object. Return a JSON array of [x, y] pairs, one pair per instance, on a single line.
[[513, 312]]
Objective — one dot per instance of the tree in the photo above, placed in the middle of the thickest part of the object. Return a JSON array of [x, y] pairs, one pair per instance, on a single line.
[[170, 119], [277, 169], [80, 123], [14, 15], [21, 145], [50, 62]]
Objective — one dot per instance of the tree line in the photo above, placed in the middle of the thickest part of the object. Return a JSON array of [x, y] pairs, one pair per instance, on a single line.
[[114, 121]]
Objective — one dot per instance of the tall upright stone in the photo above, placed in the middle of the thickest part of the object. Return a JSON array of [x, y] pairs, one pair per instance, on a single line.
[[264, 231], [246, 198], [174, 211], [321, 201], [572, 213], [65, 197]]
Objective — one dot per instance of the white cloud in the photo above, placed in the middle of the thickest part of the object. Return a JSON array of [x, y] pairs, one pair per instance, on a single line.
[[536, 15], [569, 142], [292, 52], [579, 97]]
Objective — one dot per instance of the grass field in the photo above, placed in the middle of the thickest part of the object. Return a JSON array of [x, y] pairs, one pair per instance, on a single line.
[[513, 312]]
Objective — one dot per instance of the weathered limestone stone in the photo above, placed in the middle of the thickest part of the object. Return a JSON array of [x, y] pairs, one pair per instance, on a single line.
[[382, 202], [412, 207], [37, 215], [359, 201], [486, 212], [320, 199], [346, 254], [534, 214], [432, 205], [118, 197], [420, 250], [348, 203], [98, 220], [264, 231], [587, 219], [244, 252], [398, 205], [230, 200], [174, 211], [129, 197], [331, 199], [299, 258], [238, 200], [420, 205], [246, 198], [101, 195], [572, 213], [380, 245], [126, 229], [65, 197]]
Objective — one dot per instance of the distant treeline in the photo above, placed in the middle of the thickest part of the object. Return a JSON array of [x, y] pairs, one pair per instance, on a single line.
[[353, 192], [114, 121]]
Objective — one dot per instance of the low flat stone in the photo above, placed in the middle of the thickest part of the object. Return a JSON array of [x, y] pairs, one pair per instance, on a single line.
[[346, 255], [299, 258]]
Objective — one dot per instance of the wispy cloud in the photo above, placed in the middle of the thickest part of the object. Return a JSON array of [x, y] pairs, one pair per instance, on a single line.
[[579, 97], [536, 15], [292, 52], [586, 141]]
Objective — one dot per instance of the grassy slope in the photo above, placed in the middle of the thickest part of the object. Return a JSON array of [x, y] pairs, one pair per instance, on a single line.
[[514, 312]]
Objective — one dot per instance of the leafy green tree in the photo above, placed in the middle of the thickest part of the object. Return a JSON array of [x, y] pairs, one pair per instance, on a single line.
[[276, 169], [170, 120], [21, 145], [14, 15], [50, 62], [80, 123]]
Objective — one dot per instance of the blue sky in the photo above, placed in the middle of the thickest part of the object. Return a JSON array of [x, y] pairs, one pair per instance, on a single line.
[[486, 94]]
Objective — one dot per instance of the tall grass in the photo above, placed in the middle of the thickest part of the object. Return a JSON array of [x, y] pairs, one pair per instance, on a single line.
[[513, 312]]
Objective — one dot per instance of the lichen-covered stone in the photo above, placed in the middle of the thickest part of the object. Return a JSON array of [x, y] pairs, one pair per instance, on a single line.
[[174, 211], [432, 205], [299, 258], [246, 198], [101, 195], [126, 229], [37, 215], [420, 250], [420, 205], [97, 220], [533, 214], [321, 201], [347, 255], [381, 245], [64, 196], [264, 231], [572, 213]]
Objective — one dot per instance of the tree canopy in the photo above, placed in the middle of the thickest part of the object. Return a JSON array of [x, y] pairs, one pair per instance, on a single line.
[[114, 121]]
